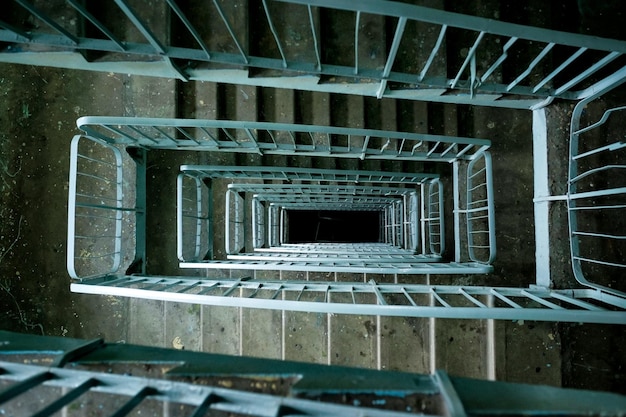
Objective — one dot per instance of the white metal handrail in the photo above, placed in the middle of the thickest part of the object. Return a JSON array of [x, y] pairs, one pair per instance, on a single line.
[[409, 300]]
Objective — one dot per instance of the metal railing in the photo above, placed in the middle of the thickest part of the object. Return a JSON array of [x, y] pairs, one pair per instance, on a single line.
[[124, 393], [535, 303], [259, 228], [480, 219], [298, 197], [106, 209], [44, 375], [492, 63], [308, 174], [318, 190], [434, 218], [95, 208], [596, 193], [194, 209], [163, 133], [409, 300], [280, 139]]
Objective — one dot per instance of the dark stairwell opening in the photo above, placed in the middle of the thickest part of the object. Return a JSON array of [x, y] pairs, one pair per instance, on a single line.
[[317, 226]]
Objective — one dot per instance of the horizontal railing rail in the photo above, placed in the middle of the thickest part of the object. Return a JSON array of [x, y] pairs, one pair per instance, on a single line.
[[505, 64], [419, 267], [265, 138], [318, 189], [409, 300], [307, 174]]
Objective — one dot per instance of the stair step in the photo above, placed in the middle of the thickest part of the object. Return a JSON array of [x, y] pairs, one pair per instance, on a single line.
[[221, 330], [306, 335], [262, 333], [462, 347]]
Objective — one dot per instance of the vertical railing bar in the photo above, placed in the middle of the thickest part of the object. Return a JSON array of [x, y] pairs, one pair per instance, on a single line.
[[83, 11], [356, 42], [448, 149], [208, 288], [500, 60], [433, 292], [149, 286], [595, 67], [134, 401], [134, 129], [490, 204], [540, 300], [67, 398], [379, 296], [464, 150], [235, 286], [158, 129], [274, 33], [170, 285], [560, 68], [203, 407], [393, 51], [315, 44], [145, 31], [229, 136], [577, 302], [187, 135], [119, 132], [470, 57], [251, 136], [189, 27], [401, 146], [433, 53], [395, 45], [24, 385], [417, 145], [256, 291], [273, 138], [433, 149], [301, 292], [505, 299], [189, 287], [408, 297], [122, 280], [532, 65], [365, 144], [15, 31], [230, 30], [210, 136], [41, 16], [385, 145], [471, 298]]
